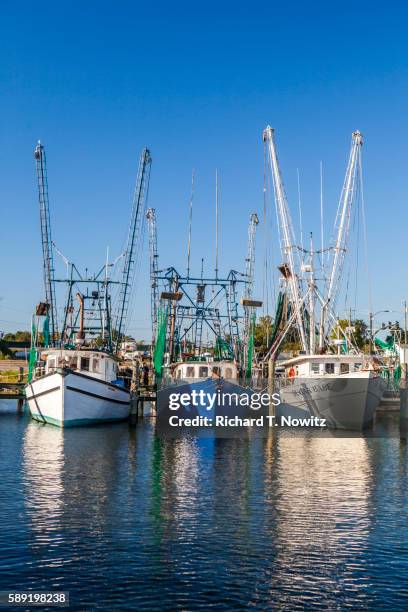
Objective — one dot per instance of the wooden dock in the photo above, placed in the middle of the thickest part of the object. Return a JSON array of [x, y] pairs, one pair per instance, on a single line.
[[142, 395], [12, 390], [13, 378]]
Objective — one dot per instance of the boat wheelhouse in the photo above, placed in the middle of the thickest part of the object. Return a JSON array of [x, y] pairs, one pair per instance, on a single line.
[[309, 366], [201, 370], [96, 364]]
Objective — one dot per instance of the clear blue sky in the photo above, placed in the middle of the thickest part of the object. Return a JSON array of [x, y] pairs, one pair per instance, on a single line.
[[196, 83]]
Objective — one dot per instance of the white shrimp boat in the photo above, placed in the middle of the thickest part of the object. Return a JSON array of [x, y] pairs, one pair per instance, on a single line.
[[77, 387], [330, 379], [73, 369], [344, 390]]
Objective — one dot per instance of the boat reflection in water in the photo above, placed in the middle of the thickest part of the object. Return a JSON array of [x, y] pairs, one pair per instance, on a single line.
[[290, 517], [282, 522], [70, 478]]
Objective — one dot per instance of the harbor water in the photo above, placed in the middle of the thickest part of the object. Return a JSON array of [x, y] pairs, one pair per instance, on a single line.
[[124, 520]]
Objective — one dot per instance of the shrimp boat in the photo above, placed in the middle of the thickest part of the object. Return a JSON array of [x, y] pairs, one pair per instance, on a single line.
[[215, 384], [344, 390], [74, 371], [77, 387], [198, 346], [330, 377]]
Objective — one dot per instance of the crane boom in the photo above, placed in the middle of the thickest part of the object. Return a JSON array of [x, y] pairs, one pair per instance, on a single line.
[[133, 241], [287, 235], [151, 220], [46, 240], [342, 224], [344, 215]]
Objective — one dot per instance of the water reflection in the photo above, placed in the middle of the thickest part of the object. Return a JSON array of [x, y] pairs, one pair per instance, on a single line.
[[71, 479], [277, 523]]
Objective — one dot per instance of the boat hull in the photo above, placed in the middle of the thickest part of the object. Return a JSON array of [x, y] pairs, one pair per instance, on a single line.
[[71, 399], [215, 388], [344, 402]]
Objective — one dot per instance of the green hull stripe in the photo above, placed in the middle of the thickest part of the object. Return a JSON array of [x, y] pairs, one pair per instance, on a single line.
[[75, 422]]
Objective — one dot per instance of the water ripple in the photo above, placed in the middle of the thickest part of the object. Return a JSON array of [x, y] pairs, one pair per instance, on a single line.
[[124, 520]]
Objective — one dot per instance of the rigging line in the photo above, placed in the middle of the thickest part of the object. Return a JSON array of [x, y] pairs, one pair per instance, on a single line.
[[190, 222], [271, 279], [268, 284], [216, 224], [347, 287], [370, 295], [300, 210], [321, 213], [264, 271], [357, 215], [269, 268]]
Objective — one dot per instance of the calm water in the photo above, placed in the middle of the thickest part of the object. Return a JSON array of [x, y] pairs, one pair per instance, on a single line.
[[125, 521]]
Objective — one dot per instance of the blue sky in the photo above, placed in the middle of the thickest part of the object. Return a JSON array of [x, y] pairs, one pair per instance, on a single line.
[[196, 83]]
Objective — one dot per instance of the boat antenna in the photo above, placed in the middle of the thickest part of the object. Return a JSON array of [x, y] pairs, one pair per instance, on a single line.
[[300, 210], [190, 222], [216, 224], [107, 264], [321, 214]]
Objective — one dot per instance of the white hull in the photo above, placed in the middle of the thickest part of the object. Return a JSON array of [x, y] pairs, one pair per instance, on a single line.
[[346, 402], [70, 399]]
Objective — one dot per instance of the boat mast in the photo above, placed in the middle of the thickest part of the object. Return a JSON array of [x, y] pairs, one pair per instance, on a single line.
[[249, 278], [190, 222], [46, 240], [134, 237], [154, 295], [312, 300], [342, 223], [286, 232]]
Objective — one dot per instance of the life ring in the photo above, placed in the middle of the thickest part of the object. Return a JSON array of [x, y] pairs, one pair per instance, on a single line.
[[291, 373]]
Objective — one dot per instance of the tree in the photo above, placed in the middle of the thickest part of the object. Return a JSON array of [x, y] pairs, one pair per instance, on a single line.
[[4, 350], [263, 333], [359, 336], [18, 336]]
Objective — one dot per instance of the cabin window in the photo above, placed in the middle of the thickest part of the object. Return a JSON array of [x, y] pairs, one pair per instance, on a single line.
[[228, 372], [344, 368], [85, 364], [315, 368], [357, 367], [51, 364], [95, 365], [329, 368], [190, 372], [216, 370], [203, 372], [72, 363], [178, 373]]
